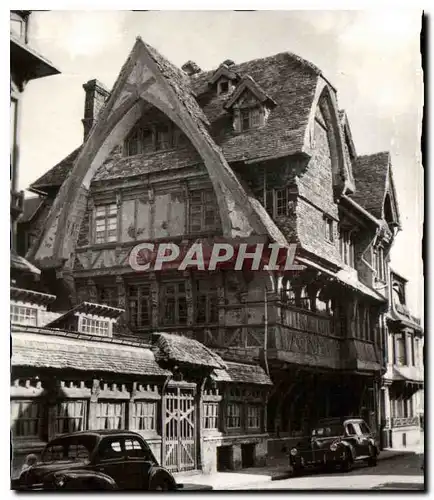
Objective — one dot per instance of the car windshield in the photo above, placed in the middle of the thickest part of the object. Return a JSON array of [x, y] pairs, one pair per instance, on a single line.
[[327, 430], [77, 448]]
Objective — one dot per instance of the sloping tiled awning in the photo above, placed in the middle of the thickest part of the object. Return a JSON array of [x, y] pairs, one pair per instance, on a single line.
[[37, 350], [19, 263], [171, 348], [241, 373]]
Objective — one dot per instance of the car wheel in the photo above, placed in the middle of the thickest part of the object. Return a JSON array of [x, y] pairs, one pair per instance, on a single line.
[[162, 486], [346, 461], [372, 460]]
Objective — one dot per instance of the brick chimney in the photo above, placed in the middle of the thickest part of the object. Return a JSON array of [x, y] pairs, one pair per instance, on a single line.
[[96, 95]]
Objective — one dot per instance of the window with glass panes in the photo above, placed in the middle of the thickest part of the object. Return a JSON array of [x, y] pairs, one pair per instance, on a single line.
[[276, 202], [206, 302], [250, 118], [23, 315], [400, 354], [253, 416], [210, 414], [110, 415], [328, 229], [233, 416], [93, 326], [71, 416], [379, 264], [26, 417], [346, 246], [106, 223], [139, 302], [144, 417], [174, 302], [204, 214], [163, 138]]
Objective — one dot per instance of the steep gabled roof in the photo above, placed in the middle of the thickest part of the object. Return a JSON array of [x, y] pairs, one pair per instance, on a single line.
[[31, 206], [223, 70], [370, 175], [285, 78], [56, 175]]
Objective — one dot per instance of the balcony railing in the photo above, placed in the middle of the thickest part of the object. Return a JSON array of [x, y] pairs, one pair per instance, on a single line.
[[404, 421], [307, 321]]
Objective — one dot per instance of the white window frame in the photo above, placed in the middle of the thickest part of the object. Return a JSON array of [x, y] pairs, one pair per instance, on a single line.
[[95, 326], [105, 224], [22, 314]]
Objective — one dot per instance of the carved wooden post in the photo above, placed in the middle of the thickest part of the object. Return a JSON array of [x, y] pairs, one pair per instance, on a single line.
[[122, 294], [131, 406], [221, 307], [155, 299], [92, 291], [151, 198], [94, 394], [189, 297]]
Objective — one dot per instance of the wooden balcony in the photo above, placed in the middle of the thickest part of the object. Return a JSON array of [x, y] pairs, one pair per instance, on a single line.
[[405, 421], [307, 321]]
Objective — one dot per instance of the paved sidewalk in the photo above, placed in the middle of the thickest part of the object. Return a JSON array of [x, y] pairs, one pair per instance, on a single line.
[[276, 469]]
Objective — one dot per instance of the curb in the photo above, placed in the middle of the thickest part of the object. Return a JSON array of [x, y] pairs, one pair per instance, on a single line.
[[396, 454]]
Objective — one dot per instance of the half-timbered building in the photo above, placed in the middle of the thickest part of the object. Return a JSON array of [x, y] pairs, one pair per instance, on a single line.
[[252, 150]]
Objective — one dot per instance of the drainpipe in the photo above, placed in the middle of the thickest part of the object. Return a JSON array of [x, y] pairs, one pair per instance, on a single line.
[[266, 332]]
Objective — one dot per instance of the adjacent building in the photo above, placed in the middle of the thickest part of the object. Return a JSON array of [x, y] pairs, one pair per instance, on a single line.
[[237, 361]]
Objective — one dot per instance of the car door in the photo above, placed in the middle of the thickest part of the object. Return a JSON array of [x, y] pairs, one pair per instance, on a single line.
[[351, 436], [361, 441], [110, 459], [367, 435], [138, 462]]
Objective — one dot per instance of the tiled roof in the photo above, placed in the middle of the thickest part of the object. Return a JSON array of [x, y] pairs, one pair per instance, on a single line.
[[57, 352], [31, 206], [286, 78], [20, 264], [171, 348], [370, 175], [290, 81], [56, 175], [118, 167], [242, 374]]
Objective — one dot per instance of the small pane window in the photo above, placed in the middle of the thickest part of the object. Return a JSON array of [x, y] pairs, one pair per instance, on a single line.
[[106, 222], [93, 326], [210, 415], [26, 418], [328, 229], [110, 415], [144, 416], [253, 417], [174, 303], [23, 315], [70, 416], [233, 418]]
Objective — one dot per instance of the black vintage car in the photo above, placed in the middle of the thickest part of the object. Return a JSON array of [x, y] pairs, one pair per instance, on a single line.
[[98, 460], [335, 442]]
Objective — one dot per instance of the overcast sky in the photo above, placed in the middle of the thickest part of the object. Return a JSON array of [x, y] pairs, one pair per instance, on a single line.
[[371, 57]]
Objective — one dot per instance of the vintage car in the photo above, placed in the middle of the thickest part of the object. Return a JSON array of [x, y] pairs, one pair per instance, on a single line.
[[98, 460], [336, 442]]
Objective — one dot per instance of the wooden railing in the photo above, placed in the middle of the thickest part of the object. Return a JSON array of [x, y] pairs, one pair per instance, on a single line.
[[404, 421], [306, 321]]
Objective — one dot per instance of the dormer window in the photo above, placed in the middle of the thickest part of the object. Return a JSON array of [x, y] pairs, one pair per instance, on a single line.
[[146, 138], [223, 87], [250, 118]]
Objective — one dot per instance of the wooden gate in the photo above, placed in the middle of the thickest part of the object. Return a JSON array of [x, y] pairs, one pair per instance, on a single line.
[[179, 443]]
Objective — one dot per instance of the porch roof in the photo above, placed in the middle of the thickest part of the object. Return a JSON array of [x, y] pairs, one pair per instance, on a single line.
[[84, 353], [242, 374], [171, 348]]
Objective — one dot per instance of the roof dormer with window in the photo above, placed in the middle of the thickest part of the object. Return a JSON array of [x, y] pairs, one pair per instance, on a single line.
[[224, 79], [250, 105]]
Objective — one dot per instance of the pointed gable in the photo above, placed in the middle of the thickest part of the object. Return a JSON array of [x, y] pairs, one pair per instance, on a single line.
[[248, 84], [146, 77], [375, 186]]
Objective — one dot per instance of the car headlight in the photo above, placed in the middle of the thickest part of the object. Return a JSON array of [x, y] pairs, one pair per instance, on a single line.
[[333, 447], [294, 452]]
